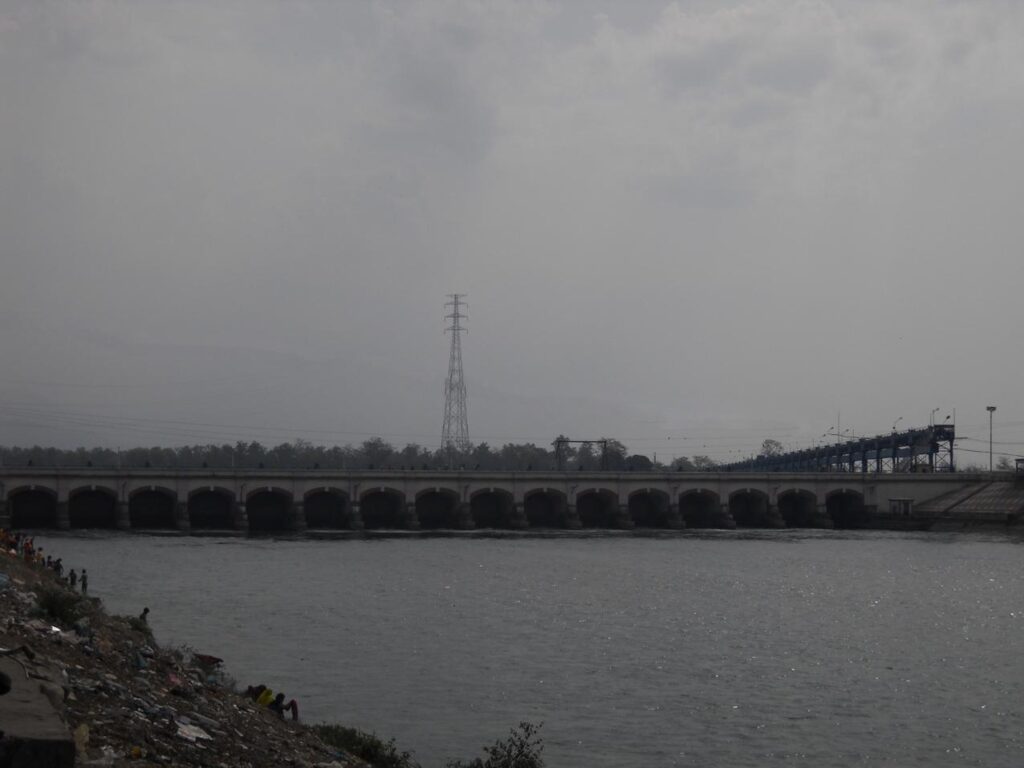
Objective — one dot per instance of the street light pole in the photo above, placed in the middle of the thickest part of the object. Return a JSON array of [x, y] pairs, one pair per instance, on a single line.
[[990, 409]]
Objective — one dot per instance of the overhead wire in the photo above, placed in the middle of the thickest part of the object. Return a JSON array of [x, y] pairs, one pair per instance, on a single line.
[[215, 429], [715, 444]]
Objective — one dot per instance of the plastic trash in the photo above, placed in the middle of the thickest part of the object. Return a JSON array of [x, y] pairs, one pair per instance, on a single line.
[[192, 732], [81, 736]]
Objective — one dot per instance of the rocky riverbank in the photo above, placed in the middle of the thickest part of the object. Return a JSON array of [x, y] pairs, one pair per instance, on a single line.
[[119, 698]]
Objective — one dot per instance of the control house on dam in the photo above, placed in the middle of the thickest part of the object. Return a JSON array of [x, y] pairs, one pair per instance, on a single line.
[[267, 501]]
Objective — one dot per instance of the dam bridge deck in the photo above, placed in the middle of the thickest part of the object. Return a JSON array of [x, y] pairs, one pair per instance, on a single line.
[[295, 500]]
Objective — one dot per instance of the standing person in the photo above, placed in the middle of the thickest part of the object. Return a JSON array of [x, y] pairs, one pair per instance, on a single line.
[[58, 566], [73, 578], [85, 581], [143, 615]]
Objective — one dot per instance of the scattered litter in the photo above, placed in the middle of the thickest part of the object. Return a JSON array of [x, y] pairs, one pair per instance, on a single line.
[[106, 758], [192, 732], [42, 626], [201, 719], [81, 736], [126, 699]]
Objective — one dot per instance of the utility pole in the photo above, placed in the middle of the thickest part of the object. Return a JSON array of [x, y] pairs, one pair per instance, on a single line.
[[991, 409], [455, 431]]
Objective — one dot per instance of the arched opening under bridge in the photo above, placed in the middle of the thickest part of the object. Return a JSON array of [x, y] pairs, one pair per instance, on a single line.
[[211, 509], [327, 509], [597, 508], [700, 508], [33, 508], [649, 508], [92, 508], [152, 508], [545, 508], [846, 508], [492, 509], [381, 509], [749, 508], [268, 510], [799, 508], [438, 508]]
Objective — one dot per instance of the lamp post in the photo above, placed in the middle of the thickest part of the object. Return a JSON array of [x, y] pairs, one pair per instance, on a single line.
[[991, 409]]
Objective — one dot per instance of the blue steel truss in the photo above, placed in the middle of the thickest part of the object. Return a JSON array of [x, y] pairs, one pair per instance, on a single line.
[[928, 449]]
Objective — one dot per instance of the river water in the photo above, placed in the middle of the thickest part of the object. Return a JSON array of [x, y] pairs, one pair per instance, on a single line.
[[720, 649]]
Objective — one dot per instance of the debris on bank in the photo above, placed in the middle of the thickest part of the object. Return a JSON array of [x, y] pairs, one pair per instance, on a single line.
[[119, 698]]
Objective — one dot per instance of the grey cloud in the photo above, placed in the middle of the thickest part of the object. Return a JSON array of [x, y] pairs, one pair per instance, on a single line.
[[678, 214], [438, 110], [793, 71], [716, 184], [757, 110], [704, 68]]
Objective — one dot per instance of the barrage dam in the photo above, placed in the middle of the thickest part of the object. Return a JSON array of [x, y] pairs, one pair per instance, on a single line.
[[294, 501]]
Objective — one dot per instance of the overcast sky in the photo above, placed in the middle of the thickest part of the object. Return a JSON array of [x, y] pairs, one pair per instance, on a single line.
[[689, 225]]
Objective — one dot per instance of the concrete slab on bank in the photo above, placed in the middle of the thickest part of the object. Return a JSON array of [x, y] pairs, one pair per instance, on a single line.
[[34, 734]]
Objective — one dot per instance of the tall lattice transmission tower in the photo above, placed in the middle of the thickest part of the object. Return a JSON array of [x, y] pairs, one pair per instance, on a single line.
[[455, 432]]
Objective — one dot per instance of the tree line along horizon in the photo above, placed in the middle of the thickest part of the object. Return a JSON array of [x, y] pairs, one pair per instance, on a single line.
[[374, 453]]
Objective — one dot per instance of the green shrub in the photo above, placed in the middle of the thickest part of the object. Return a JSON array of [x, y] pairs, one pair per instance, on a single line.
[[60, 605], [140, 626], [366, 746], [522, 749]]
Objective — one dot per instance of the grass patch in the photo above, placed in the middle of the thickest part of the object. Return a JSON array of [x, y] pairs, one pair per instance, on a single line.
[[522, 749], [366, 746], [60, 605], [140, 626]]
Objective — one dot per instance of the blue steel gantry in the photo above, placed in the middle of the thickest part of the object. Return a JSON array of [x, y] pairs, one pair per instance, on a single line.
[[928, 449]]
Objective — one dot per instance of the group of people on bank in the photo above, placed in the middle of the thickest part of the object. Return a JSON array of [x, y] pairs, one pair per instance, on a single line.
[[18, 545], [265, 697]]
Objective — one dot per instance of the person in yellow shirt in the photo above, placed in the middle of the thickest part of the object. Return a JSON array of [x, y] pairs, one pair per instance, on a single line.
[[265, 698]]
